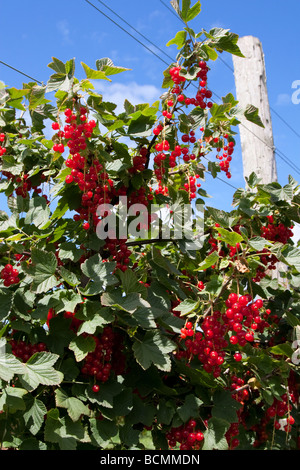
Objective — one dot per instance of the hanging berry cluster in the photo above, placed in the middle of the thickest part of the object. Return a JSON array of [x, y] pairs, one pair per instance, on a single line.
[[168, 157], [275, 232], [24, 350], [10, 275], [277, 417], [188, 436], [106, 357], [2, 148], [236, 326]]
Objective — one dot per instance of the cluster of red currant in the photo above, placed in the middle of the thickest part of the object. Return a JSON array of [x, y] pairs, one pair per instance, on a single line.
[[275, 232], [279, 410], [2, 149], [24, 184], [106, 357], [24, 350], [226, 157], [10, 275], [90, 176], [208, 345], [239, 395], [236, 326], [188, 436], [139, 161], [231, 436]]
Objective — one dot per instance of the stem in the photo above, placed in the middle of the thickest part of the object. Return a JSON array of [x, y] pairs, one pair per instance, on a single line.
[[217, 298]]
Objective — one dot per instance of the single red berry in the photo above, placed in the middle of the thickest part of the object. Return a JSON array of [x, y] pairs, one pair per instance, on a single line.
[[95, 388], [237, 357]]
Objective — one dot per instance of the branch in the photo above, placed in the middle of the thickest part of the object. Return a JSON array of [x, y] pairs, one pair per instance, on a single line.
[[217, 298]]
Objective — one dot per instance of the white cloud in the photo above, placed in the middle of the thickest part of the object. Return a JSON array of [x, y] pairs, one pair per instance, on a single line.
[[283, 99], [63, 28], [133, 92]]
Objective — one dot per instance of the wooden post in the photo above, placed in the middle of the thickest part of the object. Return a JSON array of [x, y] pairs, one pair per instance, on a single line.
[[257, 144]]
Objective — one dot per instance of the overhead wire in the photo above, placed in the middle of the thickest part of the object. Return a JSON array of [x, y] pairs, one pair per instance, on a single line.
[[232, 70], [20, 72], [278, 152]]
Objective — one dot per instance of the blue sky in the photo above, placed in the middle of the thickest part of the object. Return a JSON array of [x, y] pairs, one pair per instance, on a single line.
[[31, 33]]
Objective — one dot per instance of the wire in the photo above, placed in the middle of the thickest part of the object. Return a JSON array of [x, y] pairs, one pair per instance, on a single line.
[[232, 70], [278, 152], [134, 29], [281, 155], [286, 123], [19, 71], [127, 32]]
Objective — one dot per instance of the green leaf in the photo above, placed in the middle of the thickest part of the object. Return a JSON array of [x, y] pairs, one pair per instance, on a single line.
[[81, 346], [252, 115], [6, 302], [292, 319], [193, 12], [282, 350], [214, 436], [231, 238], [179, 40], [187, 306], [64, 431], [34, 416], [209, 261], [211, 53], [12, 399], [165, 411], [69, 251], [107, 66], [228, 43], [141, 126], [175, 5], [57, 65], [129, 303], [219, 112], [103, 431], [39, 212], [190, 408], [9, 364], [131, 284], [106, 395], [94, 74], [257, 243], [73, 405], [9, 163], [142, 412], [99, 273], [221, 217], [225, 407], [44, 266], [39, 370], [94, 316], [154, 349], [69, 277], [291, 256]]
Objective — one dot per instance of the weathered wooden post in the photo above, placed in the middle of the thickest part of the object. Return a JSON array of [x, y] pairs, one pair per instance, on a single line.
[[257, 143], [251, 88]]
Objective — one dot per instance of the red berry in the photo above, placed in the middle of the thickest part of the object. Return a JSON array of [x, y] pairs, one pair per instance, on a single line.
[[95, 388], [237, 357]]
